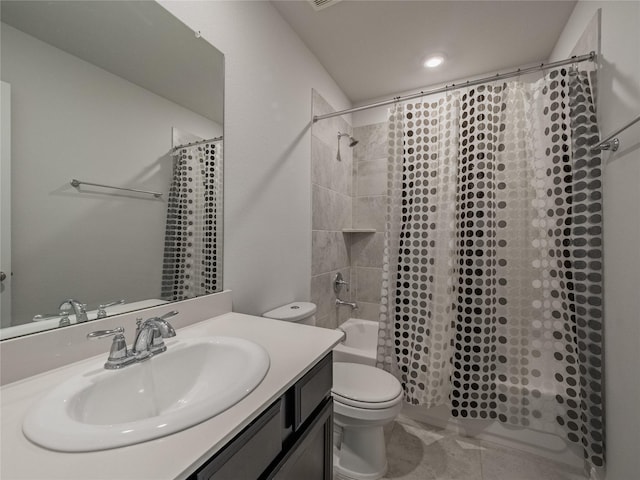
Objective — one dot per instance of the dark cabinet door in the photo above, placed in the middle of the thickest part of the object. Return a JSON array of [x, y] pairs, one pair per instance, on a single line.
[[290, 440], [311, 456], [249, 454]]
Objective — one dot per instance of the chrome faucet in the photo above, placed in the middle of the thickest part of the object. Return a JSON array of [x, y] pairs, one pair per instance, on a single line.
[[78, 308], [353, 305], [148, 342], [63, 315], [150, 334], [119, 355], [338, 284], [101, 308]]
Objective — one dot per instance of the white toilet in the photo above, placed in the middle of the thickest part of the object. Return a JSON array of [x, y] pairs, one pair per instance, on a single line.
[[365, 399], [301, 312]]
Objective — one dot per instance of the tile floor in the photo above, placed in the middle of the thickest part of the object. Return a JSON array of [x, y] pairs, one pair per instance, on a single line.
[[417, 451]]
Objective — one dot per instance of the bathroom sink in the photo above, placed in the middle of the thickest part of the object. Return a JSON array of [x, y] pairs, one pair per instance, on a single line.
[[195, 379]]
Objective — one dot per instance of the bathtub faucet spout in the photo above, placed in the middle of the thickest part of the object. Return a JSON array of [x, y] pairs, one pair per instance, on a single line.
[[353, 305]]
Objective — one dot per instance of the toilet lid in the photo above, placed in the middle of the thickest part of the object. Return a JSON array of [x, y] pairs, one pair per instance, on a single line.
[[292, 312], [364, 383]]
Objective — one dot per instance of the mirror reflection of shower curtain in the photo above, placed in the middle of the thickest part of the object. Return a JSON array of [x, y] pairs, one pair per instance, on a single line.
[[193, 253], [492, 279]]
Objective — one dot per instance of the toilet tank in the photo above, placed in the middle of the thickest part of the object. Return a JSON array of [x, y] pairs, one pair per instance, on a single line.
[[299, 312]]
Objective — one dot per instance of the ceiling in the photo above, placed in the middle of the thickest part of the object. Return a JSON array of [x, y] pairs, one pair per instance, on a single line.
[[375, 49]]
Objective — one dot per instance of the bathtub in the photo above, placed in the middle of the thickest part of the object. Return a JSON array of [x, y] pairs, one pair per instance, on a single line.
[[359, 345]]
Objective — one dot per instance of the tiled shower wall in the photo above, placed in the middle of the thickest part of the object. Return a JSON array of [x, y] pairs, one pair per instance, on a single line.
[[369, 210], [346, 193], [331, 190]]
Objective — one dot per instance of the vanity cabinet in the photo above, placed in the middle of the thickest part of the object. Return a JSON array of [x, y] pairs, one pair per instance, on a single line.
[[290, 440]]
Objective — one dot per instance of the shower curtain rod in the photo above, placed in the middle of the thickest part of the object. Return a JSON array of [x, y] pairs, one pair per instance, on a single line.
[[611, 142], [469, 83], [200, 142]]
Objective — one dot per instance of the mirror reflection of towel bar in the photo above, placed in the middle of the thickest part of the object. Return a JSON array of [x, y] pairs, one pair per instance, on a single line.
[[76, 183]]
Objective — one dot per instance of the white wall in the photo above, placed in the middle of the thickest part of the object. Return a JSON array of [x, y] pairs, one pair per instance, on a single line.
[[71, 119], [269, 75], [618, 102]]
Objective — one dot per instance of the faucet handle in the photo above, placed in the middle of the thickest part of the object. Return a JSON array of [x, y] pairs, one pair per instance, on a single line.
[[80, 309], [119, 355], [338, 283], [46, 316], [62, 314], [101, 308], [105, 333]]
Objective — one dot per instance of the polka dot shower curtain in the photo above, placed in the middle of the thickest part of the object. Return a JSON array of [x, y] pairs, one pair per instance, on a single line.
[[191, 249], [492, 279]]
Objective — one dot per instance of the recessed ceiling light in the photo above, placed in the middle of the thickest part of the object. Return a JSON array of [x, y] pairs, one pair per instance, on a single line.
[[434, 61]]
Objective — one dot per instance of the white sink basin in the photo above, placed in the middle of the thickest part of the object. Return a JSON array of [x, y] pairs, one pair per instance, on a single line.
[[192, 381]]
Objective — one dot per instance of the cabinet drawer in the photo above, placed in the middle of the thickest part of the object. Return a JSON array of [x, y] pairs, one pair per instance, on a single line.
[[312, 389], [251, 452]]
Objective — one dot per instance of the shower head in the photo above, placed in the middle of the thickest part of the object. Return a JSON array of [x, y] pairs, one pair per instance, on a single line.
[[352, 141]]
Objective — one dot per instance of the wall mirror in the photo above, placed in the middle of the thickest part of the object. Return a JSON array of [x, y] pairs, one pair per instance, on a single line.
[[127, 101]]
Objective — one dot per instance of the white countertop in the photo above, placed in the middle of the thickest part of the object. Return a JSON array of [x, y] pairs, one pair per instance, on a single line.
[[293, 349]]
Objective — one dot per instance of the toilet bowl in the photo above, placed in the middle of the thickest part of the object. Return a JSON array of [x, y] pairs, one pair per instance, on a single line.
[[365, 399]]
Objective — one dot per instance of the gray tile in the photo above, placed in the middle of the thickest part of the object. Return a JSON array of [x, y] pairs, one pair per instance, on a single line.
[[371, 178], [345, 312], [330, 210], [419, 451], [322, 294], [327, 130], [369, 212], [388, 430], [367, 311], [342, 249], [372, 141], [329, 172], [329, 251], [404, 445], [414, 452], [368, 284], [326, 322], [319, 104], [354, 175], [342, 126], [321, 208], [448, 460], [367, 249], [401, 469], [343, 211], [503, 464], [321, 162], [342, 170], [321, 252]]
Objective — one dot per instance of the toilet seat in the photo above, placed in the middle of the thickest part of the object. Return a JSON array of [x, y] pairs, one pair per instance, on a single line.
[[366, 405], [364, 386]]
